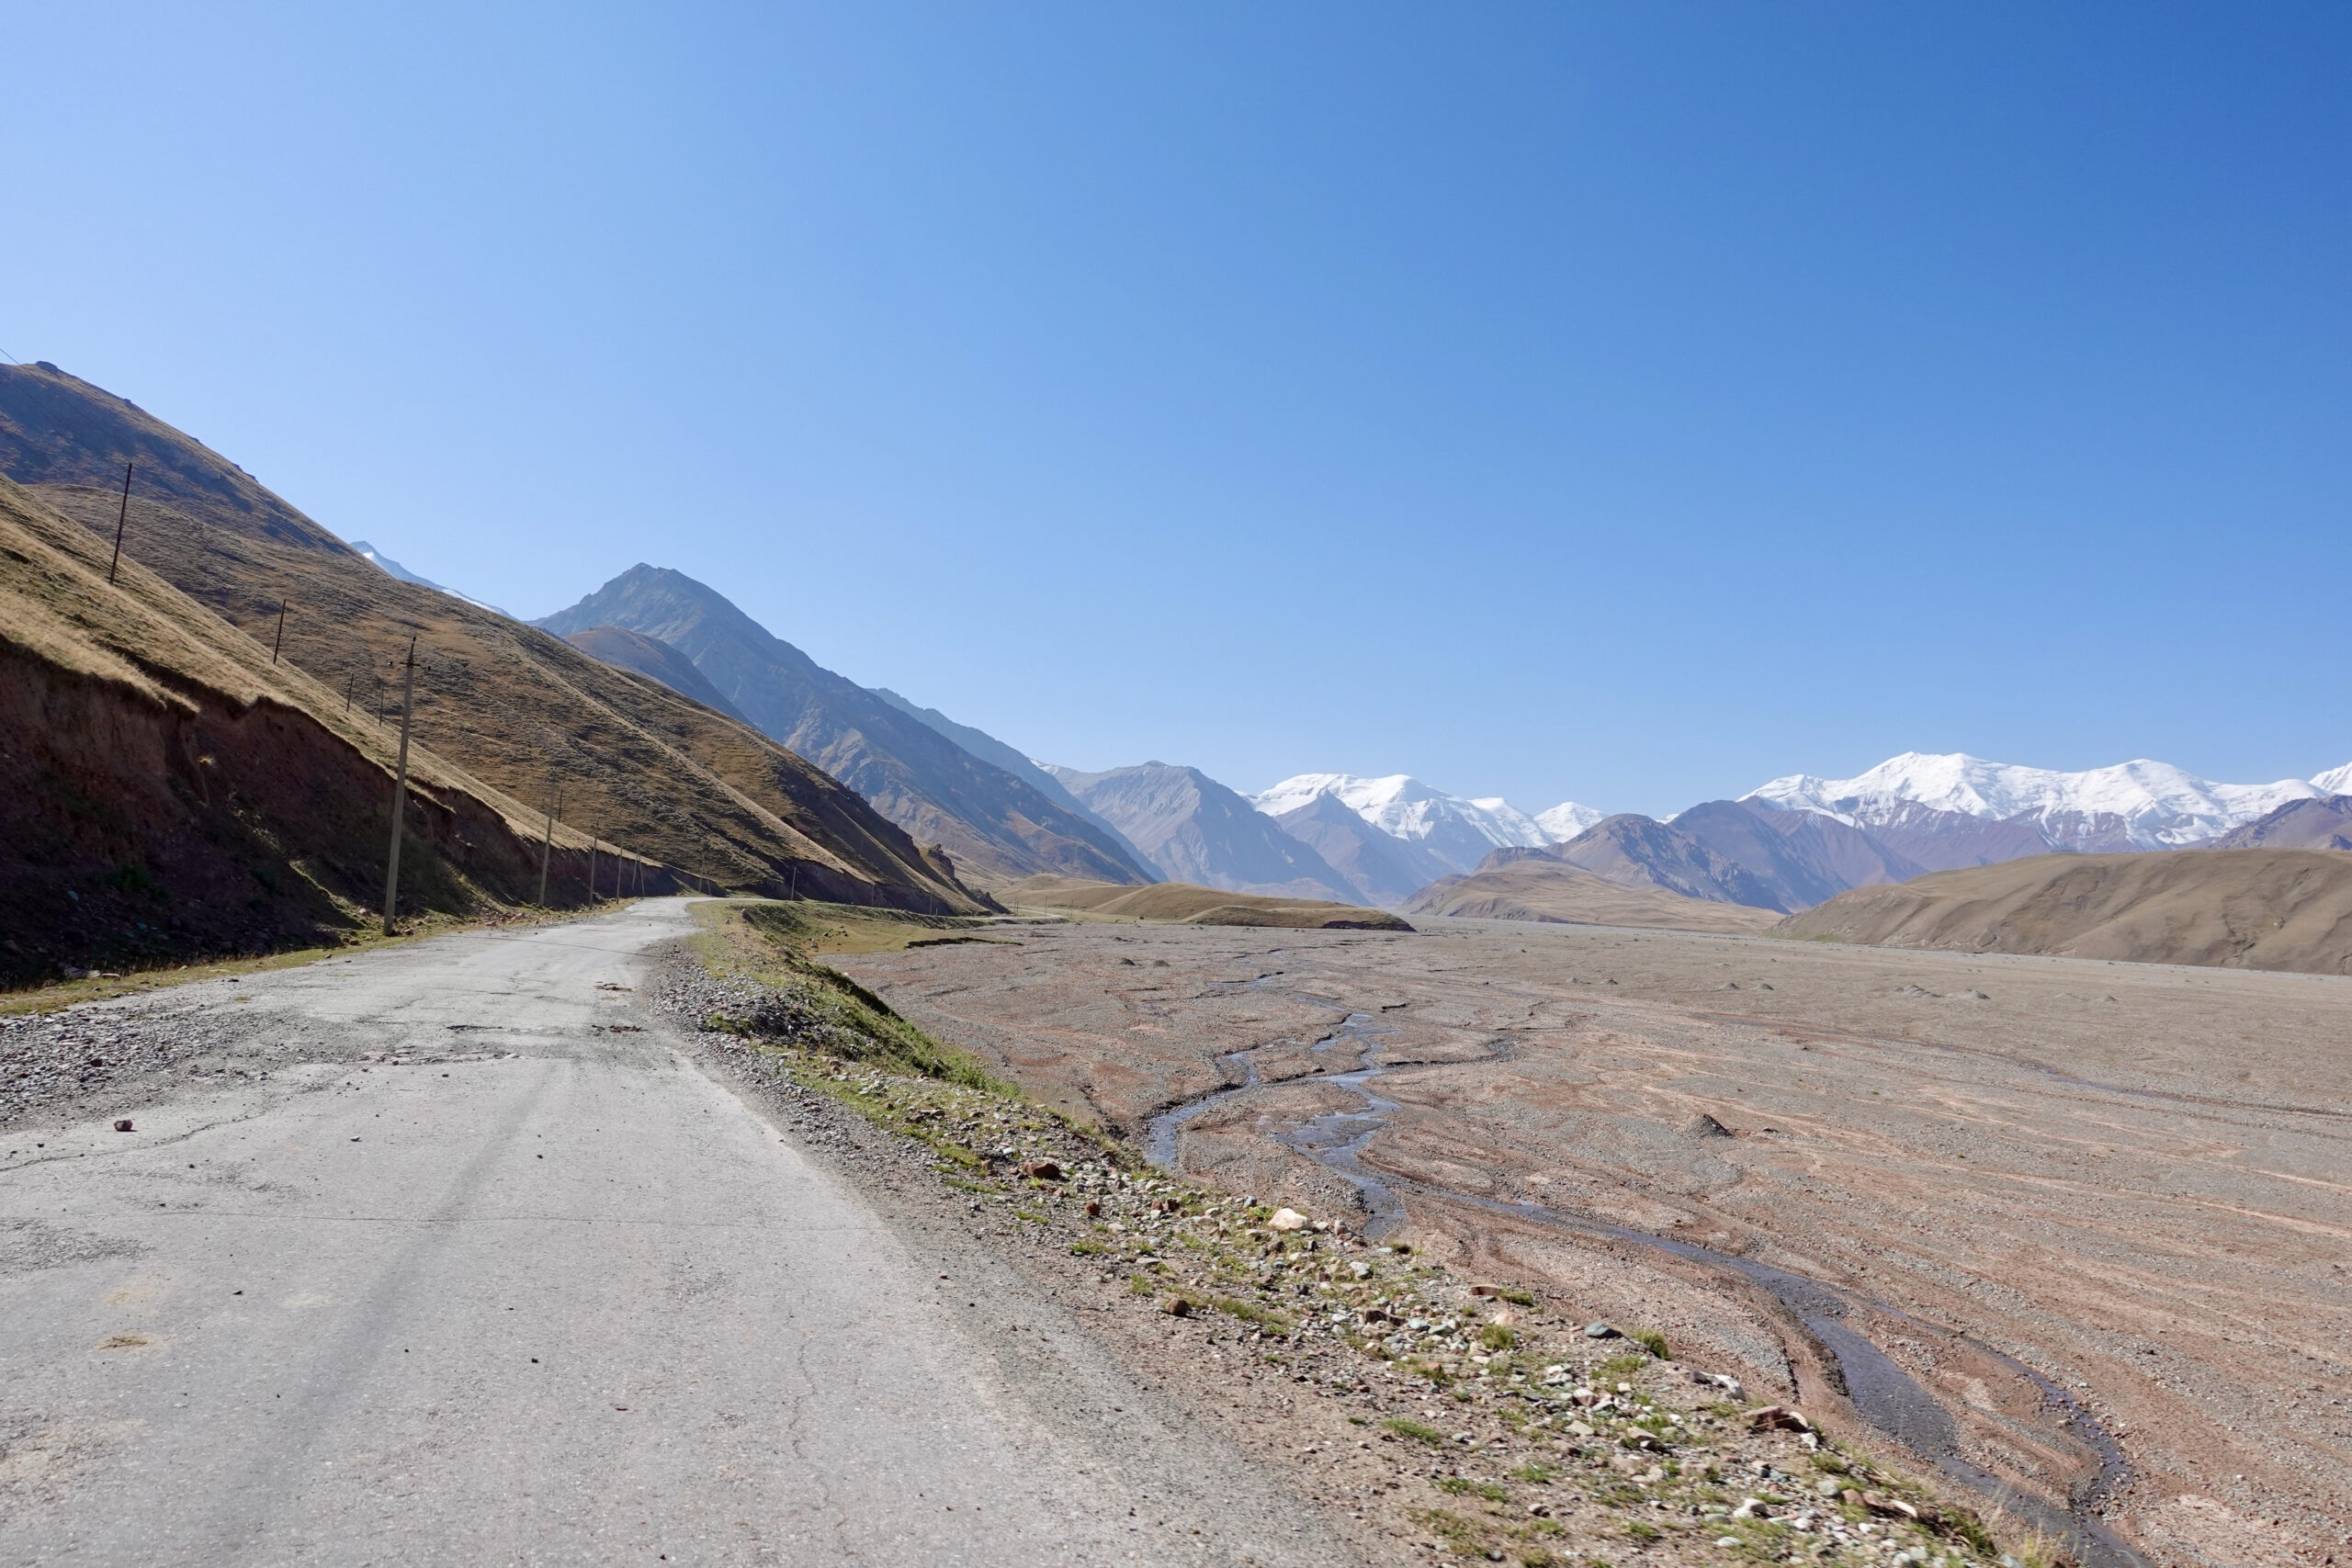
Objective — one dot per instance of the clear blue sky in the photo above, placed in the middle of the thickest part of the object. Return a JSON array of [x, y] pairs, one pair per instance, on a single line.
[[1619, 402]]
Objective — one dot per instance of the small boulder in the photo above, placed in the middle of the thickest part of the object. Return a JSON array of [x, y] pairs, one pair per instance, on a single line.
[[1778, 1418], [1287, 1220], [125, 1127], [1177, 1306], [1601, 1331], [1043, 1169]]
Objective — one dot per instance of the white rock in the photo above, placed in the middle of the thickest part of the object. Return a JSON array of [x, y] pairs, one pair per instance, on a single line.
[[1288, 1220]]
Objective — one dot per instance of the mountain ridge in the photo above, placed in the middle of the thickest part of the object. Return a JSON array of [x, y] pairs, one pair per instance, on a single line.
[[1197, 831], [983, 817]]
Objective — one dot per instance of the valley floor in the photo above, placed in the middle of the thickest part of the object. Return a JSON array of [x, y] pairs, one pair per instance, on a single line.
[[2075, 1230]]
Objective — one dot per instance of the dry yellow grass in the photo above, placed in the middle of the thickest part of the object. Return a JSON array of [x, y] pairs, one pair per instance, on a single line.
[[1547, 891], [2231, 909], [1182, 902]]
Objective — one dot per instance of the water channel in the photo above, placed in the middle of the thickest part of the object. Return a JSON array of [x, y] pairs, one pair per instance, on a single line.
[[1884, 1395]]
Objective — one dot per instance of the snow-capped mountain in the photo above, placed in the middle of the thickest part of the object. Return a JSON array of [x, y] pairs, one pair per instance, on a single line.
[[392, 567], [1460, 832], [2139, 805], [2335, 781], [1566, 820]]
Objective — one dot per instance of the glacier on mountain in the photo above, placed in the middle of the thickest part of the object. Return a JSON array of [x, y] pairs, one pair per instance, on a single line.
[[1403, 808], [1566, 820], [2146, 804], [2335, 781]]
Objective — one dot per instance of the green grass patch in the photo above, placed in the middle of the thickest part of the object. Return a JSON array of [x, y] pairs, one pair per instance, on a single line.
[[1460, 1488], [1650, 1339], [1416, 1431], [1266, 1318]]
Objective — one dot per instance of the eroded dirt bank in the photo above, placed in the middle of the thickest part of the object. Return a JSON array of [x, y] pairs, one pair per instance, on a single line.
[[2028, 1179]]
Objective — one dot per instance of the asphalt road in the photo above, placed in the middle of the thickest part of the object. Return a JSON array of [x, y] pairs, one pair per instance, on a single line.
[[542, 1292]]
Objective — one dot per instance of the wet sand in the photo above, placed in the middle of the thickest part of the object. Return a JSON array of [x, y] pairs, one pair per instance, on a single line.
[[2031, 1183]]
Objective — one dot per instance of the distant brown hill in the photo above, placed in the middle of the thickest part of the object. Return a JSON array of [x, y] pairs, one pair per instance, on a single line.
[[1533, 888], [512, 706], [1184, 903], [2235, 908]]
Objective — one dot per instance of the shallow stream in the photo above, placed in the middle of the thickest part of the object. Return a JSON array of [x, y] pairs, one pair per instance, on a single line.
[[1883, 1393]]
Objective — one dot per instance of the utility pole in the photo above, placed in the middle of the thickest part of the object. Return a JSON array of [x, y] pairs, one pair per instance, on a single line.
[[592, 863], [399, 792], [281, 632], [120, 518], [348, 677], [546, 845]]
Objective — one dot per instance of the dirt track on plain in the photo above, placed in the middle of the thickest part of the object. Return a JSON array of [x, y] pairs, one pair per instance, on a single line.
[[2125, 1181]]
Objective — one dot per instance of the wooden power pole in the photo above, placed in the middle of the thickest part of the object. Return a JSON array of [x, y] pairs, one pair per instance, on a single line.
[[120, 518], [546, 845], [281, 632], [399, 792]]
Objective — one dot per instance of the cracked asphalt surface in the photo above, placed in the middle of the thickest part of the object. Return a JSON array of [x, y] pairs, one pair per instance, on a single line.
[[487, 1270]]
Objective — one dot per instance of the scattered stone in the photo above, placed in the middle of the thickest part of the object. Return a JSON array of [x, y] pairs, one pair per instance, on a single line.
[[1601, 1331], [1043, 1169], [1877, 1503], [1177, 1306], [1705, 1126], [1287, 1220], [124, 1126], [1779, 1418], [1753, 1509], [1970, 994]]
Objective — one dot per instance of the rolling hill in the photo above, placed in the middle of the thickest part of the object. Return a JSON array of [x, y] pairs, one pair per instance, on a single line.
[[514, 709], [2256, 908], [991, 822]]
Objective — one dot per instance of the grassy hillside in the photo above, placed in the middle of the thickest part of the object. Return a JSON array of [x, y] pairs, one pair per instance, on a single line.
[[513, 707], [1183, 903], [2235, 908], [167, 792], [1534, 889]]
